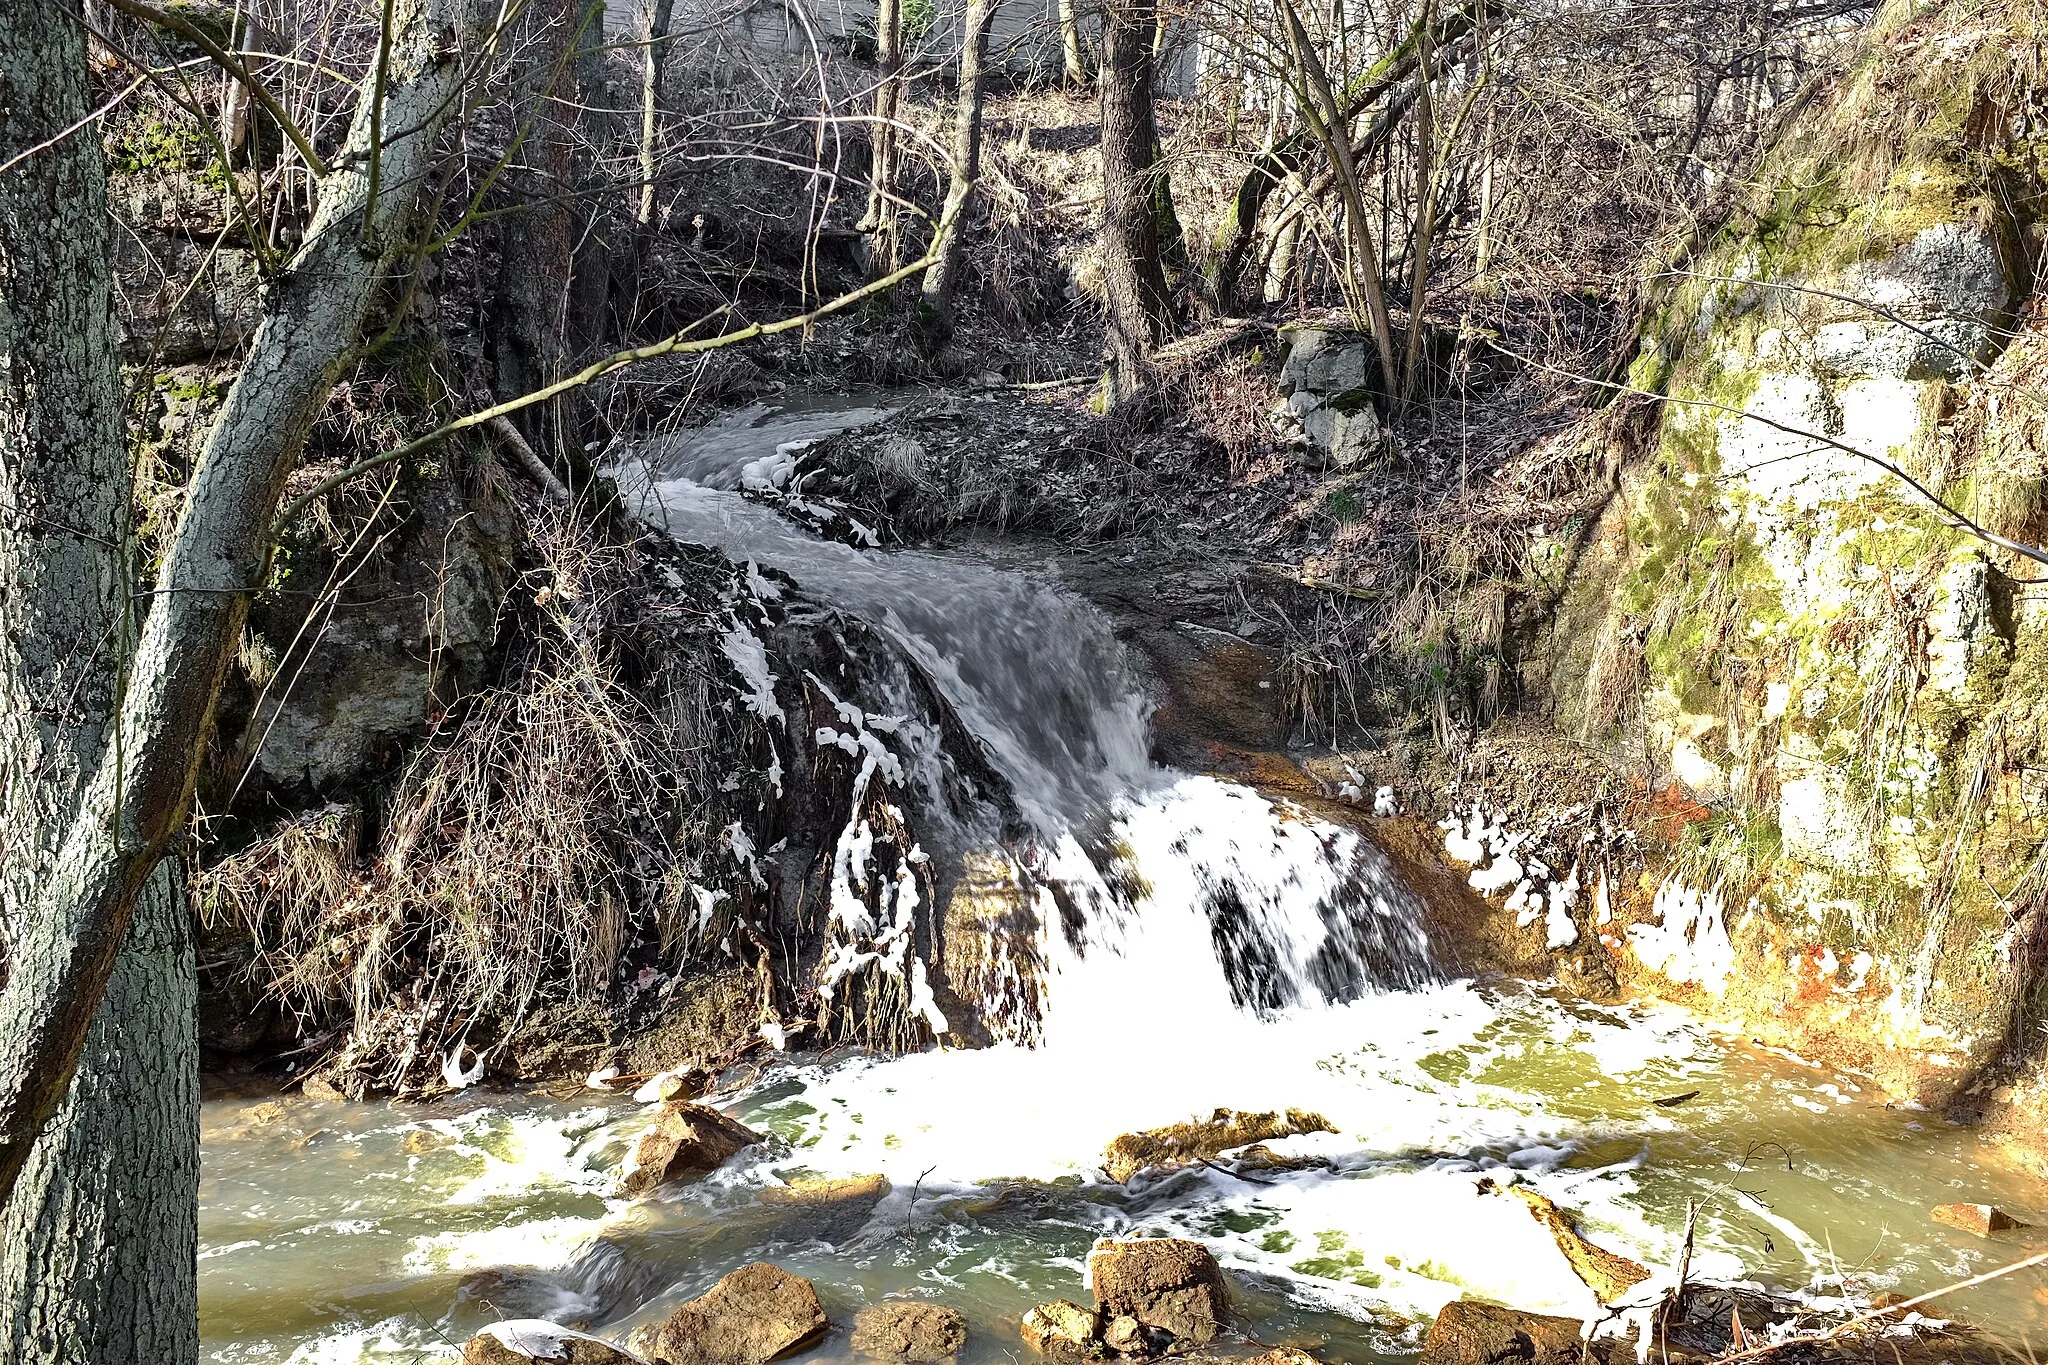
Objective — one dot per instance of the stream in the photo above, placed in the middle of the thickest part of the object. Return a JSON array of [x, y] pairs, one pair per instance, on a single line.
[[1265, 960]]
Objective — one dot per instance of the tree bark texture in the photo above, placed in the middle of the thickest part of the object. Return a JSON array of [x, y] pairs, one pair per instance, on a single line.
[[881, 217], [1073, 62], [137, 798], [942, 280], [1132, 275], [99, 1239], [530, 331], [99, 1263]]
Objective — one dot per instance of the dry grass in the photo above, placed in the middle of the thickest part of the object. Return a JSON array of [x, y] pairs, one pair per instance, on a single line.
[[553, 822]]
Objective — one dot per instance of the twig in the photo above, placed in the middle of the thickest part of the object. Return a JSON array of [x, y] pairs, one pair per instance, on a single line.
[[192, 32], [1895, 1310], [672, 345]]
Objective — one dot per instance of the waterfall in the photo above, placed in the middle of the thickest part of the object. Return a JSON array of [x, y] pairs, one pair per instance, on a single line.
[[1141, 881]]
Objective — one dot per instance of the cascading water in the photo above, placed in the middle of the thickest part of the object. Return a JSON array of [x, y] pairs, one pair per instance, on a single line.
[[1197, 946]]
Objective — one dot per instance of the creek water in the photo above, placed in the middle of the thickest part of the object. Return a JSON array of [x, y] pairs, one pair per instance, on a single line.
[[1259, 958]]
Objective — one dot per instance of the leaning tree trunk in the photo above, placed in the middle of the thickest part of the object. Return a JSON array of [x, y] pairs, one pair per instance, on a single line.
[[1132, 275], [99, 1239], [942, 281], [136, 800]]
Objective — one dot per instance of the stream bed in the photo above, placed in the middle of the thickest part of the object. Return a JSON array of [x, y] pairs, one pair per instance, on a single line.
[[1263, 959]]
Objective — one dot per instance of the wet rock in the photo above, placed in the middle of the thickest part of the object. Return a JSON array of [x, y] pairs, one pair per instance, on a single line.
[[1126, 1336], [828, 1210], [1064, 1331], [1284, 1355], [1186, 1144], [521, 1340], [1472, 1333], [750, 1317], [687, 1141], [1981, 1219], [909, 1330], [1163, 1282], [1608, 1274]]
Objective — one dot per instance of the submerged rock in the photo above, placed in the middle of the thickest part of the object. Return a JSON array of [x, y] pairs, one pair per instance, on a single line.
[[1185, 1144], [1981, 1219], [829, 1210], [687, 1141], [1163, 1282], [1064, 1331], [1471, 1333], [909, 1330], [521, 1340], [750, 1317]]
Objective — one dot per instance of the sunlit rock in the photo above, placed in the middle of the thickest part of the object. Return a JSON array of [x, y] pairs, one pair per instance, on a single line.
[[750, 1317], [1163, 1282], [687, 1141], [1063, 1330], [1187, 1144], [909, 1330]]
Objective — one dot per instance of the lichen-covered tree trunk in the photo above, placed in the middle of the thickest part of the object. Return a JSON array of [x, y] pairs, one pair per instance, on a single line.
[[942, 280], [1132, 275], [99, 1262], [99, 1238], [137, 796]]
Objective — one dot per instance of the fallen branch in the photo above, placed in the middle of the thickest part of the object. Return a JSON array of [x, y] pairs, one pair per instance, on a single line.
[[1895, 1310], [677, 344], [190, 31]]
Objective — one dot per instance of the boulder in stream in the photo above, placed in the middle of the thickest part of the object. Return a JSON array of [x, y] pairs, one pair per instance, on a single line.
[[1981, 1219], [750, 1317], [1163, 1282], [909, 1330], [1468, 1332], [686, 1141], [521, 1340], [1186, 1144], [829, 1210], [1065, 1331]]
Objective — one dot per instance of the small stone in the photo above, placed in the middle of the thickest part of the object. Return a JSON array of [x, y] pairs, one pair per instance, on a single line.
[[1981, 1219], [1063, 1330], [687, 1141], [909, 1330], [1125, 1336], [750, 1317], [1163, 1282]]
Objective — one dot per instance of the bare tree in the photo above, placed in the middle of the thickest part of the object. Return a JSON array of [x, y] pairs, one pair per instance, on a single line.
[[1139, 304], [133, 797], [942, 281]]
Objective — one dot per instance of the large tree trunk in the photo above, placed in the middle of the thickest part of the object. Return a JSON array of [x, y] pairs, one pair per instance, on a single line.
[[1131, 271], [530, 331], [139, 793], [102, 1236], [99, 1238], [942, 280]]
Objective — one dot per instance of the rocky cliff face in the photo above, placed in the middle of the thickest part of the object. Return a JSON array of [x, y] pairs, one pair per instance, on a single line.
[[1788, 607]]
